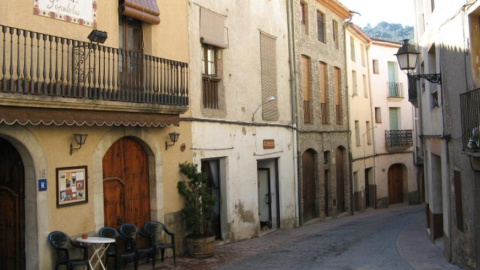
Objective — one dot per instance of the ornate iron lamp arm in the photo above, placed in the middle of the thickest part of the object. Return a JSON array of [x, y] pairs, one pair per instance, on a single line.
[[433, 78]]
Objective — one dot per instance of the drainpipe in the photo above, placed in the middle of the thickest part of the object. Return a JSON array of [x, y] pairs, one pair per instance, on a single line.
[[293, 86], [349, 146]]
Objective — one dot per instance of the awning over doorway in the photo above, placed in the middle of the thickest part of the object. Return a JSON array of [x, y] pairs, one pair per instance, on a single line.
[[144, 10], [70, 117]]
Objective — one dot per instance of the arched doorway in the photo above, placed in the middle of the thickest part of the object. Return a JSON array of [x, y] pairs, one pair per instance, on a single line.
[[395, 184], [126, 190], [340, 171], [12, 200], [308, 188]]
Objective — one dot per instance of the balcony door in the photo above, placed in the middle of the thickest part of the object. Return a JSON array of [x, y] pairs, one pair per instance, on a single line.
[[392, 80], [130, 59]]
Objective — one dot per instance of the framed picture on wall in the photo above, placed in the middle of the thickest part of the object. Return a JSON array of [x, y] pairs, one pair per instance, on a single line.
[[72, 186]]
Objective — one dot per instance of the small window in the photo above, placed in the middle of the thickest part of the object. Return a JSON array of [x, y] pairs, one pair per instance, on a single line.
[[378, 115], [321, 26], [369, 132], [435, 99], [354, 83], [365, 86], [352, 49], [335, 34], [357, 133], [209, 65], [375, 66], [362, 51], [304, 18]]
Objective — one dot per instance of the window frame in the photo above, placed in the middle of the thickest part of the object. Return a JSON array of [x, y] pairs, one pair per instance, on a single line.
[[321, 36]]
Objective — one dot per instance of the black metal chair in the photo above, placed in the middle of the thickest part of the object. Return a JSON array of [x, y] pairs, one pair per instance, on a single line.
[[120, 249], [131, 231], [158, 237], [63, 244]]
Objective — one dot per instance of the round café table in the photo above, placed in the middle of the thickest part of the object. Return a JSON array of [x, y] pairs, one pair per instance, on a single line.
[[100, 245]]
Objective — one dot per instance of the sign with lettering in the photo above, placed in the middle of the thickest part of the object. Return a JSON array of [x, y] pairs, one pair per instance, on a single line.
[[269, 144], [83, 12], [42, 184]]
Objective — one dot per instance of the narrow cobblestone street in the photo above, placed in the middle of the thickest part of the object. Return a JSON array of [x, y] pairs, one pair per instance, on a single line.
[[392, 238]]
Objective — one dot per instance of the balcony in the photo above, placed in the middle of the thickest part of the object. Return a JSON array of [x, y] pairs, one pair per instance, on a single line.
[[395, 90], [470, 112], [40, 70], [398, 140]]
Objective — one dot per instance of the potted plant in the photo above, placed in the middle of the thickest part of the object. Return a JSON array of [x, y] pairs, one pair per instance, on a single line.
[[198, 211]]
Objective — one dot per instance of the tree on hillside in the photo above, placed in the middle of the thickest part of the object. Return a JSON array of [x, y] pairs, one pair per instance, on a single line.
[[389, 31]]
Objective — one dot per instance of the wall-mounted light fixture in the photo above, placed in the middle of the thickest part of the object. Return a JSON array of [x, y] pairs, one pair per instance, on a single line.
[[407, 58], [97, 36], [80, 139], [173, 137], [270, 99]]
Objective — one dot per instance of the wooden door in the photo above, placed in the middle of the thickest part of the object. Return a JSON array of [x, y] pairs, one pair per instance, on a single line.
[[340, 181], [12, 218], [126, 188], [308, 190], [395, 184]]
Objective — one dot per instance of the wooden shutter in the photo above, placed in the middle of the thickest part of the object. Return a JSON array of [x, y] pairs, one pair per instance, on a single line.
[[338, 95], [305, 83], [268, 59], [323, 82]]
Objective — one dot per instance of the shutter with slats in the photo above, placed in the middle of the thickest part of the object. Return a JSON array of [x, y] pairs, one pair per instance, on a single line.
[[268, 60], [212, 28]]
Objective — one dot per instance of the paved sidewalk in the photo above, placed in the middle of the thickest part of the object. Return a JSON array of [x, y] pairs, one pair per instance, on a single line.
[[412, 244]]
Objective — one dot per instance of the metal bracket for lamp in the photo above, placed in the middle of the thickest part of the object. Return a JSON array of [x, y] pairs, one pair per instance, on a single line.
[[270, 99], [173, 137], [80, 139], [433, 78], [407, 57]]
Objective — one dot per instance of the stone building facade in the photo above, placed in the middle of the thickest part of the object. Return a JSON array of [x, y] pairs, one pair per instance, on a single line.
[[321, 113]]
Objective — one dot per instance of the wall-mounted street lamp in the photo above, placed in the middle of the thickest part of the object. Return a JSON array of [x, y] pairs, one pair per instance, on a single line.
[[407, 58], [270, 99], [98, 36], [80, 139], [173, 137]]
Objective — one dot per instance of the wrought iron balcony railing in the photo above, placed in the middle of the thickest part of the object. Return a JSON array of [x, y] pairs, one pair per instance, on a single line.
[[38, 64], [398, 138], [470, 111]]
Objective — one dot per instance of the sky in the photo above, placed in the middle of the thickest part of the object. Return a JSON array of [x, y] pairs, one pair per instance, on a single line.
[[376, 11]]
